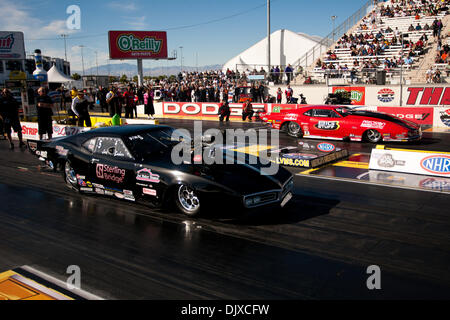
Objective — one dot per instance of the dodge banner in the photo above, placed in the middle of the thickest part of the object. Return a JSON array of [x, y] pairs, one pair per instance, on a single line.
[[211, 109], [137, 44]]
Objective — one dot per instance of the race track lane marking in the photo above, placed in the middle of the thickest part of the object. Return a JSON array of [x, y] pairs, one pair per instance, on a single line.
[[352, 164], [373, 183]]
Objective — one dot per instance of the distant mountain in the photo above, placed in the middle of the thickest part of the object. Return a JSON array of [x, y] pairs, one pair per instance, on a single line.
[[131, 70]]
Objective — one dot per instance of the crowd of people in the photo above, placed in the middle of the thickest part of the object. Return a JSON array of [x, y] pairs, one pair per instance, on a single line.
[[368, 48], [407, 8]]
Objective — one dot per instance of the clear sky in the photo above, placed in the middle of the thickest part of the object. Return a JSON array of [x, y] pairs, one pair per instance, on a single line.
[[210, 31]]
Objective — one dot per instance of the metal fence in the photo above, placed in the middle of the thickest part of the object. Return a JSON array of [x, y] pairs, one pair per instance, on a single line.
[[375, 76]]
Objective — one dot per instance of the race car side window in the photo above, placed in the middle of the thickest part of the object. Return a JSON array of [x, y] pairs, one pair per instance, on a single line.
[[90, 145], [309, 113], [113, 147], [325, 113]]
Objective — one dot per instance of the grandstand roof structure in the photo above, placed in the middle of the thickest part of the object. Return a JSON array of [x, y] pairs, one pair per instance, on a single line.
[[286, 47]]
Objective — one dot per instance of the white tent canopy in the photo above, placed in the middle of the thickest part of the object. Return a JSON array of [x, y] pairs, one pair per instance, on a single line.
[[286, 48], [56, 76]]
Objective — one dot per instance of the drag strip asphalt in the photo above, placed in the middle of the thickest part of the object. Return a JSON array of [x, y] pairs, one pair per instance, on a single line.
[[319, 247]]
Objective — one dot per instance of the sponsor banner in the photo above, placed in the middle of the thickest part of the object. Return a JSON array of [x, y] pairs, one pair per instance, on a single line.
[[386, 95], [357, 94], [205, 109], [428, 96], [12, 45], [422, 116], [442, 117], [434, 164], [211, 109], [30, 130], [137, 44]]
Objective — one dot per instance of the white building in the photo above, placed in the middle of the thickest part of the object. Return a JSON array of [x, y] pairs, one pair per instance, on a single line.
[[286, 47]]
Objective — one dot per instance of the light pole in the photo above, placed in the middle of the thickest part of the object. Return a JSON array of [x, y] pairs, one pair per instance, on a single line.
[[332, 19], [82, 57], [64, 36], [96, 62], [268, 37], [181, 59], [401, 72]]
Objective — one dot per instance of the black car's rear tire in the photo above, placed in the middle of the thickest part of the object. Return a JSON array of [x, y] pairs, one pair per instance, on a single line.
[[293, 129], [187, 200], [372, 136], [70, 176]]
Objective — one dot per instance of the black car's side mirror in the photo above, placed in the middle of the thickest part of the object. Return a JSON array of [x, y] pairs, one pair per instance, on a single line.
[[111, 150]]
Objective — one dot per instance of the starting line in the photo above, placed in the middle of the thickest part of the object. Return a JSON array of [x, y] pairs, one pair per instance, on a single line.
[[356, 170], [26, 283]]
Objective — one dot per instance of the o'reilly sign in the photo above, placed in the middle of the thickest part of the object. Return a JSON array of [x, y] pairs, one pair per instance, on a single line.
[[12, 45], [137, 45]]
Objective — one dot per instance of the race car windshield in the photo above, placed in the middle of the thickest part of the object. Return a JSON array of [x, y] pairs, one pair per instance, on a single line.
[[152, 142]]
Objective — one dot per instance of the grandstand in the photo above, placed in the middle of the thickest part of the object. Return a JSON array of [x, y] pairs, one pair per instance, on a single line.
[[385, 46]]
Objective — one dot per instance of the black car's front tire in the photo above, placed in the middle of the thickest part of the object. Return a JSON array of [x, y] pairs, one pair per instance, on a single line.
[[187, 200], [70, 177]]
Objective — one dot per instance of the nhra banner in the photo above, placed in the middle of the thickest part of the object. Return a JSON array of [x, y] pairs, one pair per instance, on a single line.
[[137, 44], [418, 162]]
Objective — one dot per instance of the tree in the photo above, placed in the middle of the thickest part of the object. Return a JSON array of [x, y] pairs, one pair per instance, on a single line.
[[76, 76], [123, 79]]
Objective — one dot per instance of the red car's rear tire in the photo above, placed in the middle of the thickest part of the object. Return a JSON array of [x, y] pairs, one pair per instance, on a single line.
[[372, 136]]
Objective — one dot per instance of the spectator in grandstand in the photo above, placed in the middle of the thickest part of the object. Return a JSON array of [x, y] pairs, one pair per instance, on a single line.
[[44, 106], [418, 27], [408, 60], [429, 75], [411, 28], [277, 75], [289, 71]]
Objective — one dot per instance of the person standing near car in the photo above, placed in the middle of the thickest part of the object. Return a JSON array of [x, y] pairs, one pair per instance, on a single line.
[[101, 96], [44, 106], [279, 95], [9, 111], [129, 102], [113, 100], [247, 111], [149, 108], [289, 94], [224, 111], [80, 106]]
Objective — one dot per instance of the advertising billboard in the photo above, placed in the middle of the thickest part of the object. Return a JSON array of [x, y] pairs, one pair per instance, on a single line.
[[12, 46], [137, 45], [357, 94]]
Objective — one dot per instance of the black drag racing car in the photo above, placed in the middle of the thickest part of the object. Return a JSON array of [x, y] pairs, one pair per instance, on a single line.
[[134, 163]]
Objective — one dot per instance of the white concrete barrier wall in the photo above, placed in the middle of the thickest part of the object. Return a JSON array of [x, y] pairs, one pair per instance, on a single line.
[[411, 161]]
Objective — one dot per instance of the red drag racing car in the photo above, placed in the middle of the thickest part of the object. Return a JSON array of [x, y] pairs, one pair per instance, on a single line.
[[336, 122]]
